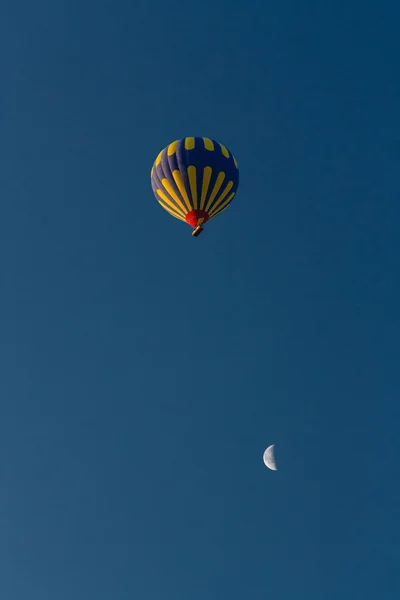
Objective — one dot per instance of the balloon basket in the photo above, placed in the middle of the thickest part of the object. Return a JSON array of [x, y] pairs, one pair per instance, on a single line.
[[197, 231]]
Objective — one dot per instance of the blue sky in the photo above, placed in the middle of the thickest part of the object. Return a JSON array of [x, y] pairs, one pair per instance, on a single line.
[[143, 372]]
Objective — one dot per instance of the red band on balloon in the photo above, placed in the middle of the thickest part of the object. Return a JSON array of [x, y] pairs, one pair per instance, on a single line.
[[194, 215]]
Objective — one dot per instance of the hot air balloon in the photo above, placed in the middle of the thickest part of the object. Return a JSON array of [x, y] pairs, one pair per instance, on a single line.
[[195, 179]]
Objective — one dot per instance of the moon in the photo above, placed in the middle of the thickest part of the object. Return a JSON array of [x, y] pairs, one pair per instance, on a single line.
[[269, 458]]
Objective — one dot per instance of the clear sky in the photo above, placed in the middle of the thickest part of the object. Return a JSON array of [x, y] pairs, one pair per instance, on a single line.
[[143, 372]]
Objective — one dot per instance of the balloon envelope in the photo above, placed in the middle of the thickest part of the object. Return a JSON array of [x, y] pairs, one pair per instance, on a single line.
[[195, 179]]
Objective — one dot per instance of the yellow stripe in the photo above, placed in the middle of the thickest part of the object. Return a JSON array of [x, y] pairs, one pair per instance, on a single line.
[[158, 159], [234, 160], [206, 182], [152, 171], [219, 212], [208, 144], [218, 183], [171, 212], [224, 151], [181, 187], [189, 143], [171, 192], [214, 212], [193, 184], [222, 196], [169, 203], [172, 148]]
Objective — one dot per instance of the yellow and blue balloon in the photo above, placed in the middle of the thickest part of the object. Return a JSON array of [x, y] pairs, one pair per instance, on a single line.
[[195, 180]]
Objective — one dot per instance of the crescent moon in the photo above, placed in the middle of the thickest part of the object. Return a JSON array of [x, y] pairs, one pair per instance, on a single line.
[[269, 458]]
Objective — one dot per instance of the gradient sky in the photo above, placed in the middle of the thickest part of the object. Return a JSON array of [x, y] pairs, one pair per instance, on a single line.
[[143, 372]]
